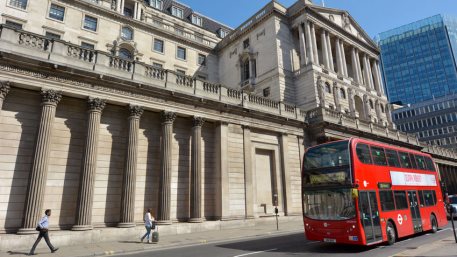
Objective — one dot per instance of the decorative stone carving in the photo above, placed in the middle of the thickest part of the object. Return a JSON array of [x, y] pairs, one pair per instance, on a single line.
[[135, 111], [198, 121], [346, 22], [113, 4], [320, 91], [96, 104], [4, 89], [49, 96], [168, 117]]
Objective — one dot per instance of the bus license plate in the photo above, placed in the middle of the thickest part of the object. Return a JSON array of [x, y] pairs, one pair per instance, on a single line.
[[329, 240]]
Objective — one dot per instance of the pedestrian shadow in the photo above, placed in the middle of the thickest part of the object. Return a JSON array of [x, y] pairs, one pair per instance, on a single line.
[[17, 253], [130, 242]]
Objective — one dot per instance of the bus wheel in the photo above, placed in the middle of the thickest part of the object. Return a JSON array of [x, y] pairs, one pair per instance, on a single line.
[[434, 224], [391, 234]]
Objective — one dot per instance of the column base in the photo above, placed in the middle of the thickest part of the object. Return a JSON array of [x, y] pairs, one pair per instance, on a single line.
[[82, 227], [195, 220], [126, 225], [27, 231], [164, 222]]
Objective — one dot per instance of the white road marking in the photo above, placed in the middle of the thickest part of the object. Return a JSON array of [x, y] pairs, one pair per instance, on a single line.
[[443, 230], [246, 254]]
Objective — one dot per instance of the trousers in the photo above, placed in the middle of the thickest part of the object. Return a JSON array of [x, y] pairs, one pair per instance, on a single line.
[[42, 234]]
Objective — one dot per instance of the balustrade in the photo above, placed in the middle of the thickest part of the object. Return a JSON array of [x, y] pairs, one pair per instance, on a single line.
[[35, 41], [84, 54], [121, 64]]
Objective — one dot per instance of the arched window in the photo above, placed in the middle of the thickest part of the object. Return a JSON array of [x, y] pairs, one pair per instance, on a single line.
[[371, 104], [125, 54], [328, 88], [342, 93], [246, 72], [127, 33]]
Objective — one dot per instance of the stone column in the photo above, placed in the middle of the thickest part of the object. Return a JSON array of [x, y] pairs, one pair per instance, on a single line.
[[136, 11], [359, 68], [313, 38], [377, 79], [122, 6], [86, 189], [4, 90], [166, 161], [339, 57], [343, 53], [379, 76], [196, 172], [37, 181], [368, 75], [301, 38], [324, 49], [355, 71], [310, 45], [222, 177], [129, 184], [329, 51]]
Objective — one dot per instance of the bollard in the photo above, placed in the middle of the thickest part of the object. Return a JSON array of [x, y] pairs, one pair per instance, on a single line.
[[452, 211]]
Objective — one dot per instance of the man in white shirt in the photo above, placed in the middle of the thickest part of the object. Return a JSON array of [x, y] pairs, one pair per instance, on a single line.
[[43, 226]]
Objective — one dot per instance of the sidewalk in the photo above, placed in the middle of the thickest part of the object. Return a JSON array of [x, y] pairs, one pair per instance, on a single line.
[[446, 247], [166, 241]]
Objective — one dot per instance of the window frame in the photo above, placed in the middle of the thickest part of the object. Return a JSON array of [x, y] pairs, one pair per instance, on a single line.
[[381, 149], [175, 10], [154, 45], [14, 24], [84, 23], [63, 15], [387, 150], [198, 20], [381, 200], [185, 53], [155, 4], [8, 3], [369, 153], [401, 160], [204, 57], [131, 36], [405, 198]]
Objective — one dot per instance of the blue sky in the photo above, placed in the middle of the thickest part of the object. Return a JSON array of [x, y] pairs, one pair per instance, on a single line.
[[374, 16]]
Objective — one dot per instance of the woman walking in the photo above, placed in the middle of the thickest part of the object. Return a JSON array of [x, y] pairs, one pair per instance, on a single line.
[[148, 223]]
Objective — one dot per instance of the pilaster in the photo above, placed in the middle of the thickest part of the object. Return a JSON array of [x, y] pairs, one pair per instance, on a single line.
[[301, 38], [196, 171], [329, 51], [37, 183], [129, 182], [325, 54], [284, 148], [313, 38], [310, 45], [248, 172], [86, 189], [222, 177]]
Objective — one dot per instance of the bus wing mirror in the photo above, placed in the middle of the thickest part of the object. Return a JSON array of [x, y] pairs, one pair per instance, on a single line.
[[355, 193]]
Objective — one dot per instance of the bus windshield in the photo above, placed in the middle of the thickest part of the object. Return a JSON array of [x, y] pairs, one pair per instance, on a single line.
[[334, 204], [327, 164]]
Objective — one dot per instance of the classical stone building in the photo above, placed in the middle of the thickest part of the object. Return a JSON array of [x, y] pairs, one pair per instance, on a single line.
[[111, 107]]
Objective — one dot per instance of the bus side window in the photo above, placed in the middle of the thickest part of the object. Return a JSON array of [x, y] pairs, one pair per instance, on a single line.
[[434, 197], [429, 198], [386, 199], [405, 162], [379, 157], [421, 198], [420, 162], [400, 200], [392, 158], [429, 163], [413, 161], [363, 153]]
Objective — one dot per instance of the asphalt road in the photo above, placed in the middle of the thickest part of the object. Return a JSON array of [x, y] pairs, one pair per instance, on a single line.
[[293, 245]]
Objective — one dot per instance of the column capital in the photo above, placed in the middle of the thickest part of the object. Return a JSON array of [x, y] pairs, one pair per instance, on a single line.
[[50, 97], [4, 89], [168, 117], [96, 104], [197, 121], [135, 111]]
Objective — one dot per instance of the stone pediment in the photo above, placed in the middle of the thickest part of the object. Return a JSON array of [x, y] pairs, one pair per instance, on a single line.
[[344, 20]]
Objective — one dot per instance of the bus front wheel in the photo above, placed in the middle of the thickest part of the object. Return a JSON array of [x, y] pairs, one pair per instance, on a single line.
[[391, 233], [434, 224]]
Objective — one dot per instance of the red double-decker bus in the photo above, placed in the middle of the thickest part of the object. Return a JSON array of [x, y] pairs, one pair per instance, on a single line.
[[361, 192]]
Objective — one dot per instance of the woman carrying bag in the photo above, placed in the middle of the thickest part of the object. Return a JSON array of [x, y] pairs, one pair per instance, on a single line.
[[148, 223]]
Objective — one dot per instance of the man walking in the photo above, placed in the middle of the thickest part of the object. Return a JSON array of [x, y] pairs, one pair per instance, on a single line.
[[43, 226]]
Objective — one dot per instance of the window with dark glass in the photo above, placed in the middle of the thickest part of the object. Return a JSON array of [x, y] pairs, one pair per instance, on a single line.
[[429, 163], [387, 200], [392, 158], [181, 53], [125, 54], [127, 33], [379, 157], [254, 68], [197, 20], [266, 92], [428, 197], [413, 161], [363, 153], [157, 65], [90, 23], [51, 35], [128, 12], [404, 160], [400, 200], [22, 4], [181, 72], [158, 4], [158, 45], [177, 12], [13, 24], [246, 43], [246, 71], [420, 160], [56, 12], [87, 45], [202, 59]]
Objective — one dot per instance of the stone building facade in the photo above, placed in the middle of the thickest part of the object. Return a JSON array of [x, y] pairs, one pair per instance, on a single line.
[[105, 113]]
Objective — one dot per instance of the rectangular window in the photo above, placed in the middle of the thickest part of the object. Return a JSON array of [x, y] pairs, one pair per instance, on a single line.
[[427, 197], [13, 24], [22, 4], [400, 200], [420, 162], [392, 158], [201, 77], [158, 45], [56, 12], [128, 12], [413, 161], [404, 160], [363, 153], [87, 45], [181, 72], [157, 65], [430, 165], [51, 35], [379, 157], [197, 20], [90, 23], [387, 200], [223, 33], [181, 53], [201, 59], [158, 4], [246, 43], [177, 12]]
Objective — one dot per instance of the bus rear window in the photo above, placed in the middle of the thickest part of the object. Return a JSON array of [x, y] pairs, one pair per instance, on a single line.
[[363, 153]]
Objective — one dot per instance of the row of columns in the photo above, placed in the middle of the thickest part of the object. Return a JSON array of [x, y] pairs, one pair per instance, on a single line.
[[365, 70], [37, 183]]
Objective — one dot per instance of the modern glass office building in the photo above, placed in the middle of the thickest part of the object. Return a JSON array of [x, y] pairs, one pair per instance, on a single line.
[[419, 59]]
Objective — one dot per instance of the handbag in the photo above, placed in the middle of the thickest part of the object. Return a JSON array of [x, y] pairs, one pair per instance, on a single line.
[[38, 228]]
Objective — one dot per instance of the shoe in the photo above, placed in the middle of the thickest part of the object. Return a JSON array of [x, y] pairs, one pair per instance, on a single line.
[[142, 239], [54, 250]]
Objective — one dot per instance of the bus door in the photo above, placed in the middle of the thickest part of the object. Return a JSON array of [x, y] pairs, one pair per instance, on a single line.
[[369, 214], [415, 212]]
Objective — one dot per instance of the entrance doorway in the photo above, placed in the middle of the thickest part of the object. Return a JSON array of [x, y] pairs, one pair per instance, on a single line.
[[369, 215]]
